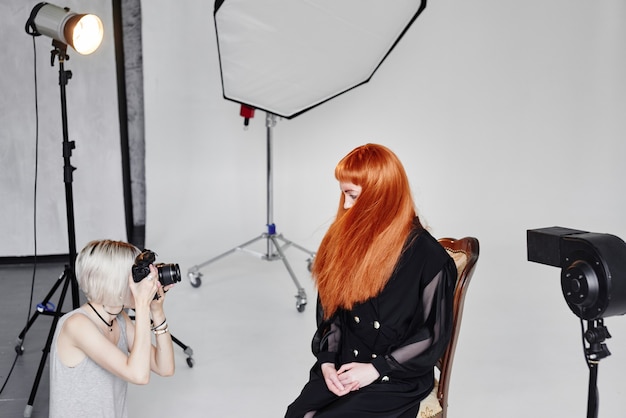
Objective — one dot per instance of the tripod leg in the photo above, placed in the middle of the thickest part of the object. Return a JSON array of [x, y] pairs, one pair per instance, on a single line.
[[186, 349], [301, 296], [46, 350], [18, 348], [289, 243], [301, 248]]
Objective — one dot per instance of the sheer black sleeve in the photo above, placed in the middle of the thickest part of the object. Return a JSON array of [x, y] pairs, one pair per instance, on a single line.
[[425, 342], [325, 344]]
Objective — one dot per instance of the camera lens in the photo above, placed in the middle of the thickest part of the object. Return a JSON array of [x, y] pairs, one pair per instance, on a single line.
[[168, 273]]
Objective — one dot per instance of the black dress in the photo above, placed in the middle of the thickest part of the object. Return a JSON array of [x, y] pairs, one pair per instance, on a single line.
[[403, 332]]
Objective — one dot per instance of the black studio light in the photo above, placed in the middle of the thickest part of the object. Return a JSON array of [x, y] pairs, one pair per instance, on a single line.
[[593, 281], [593, 268], [83, 32]]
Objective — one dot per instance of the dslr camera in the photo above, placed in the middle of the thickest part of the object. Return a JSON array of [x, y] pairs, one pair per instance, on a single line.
[[168, 273]]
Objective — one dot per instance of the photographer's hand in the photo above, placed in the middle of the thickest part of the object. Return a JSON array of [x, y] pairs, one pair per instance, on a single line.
[[156, 306], [144, 290]]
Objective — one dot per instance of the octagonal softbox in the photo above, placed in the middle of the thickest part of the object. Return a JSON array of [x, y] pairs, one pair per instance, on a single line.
[[288, 56]]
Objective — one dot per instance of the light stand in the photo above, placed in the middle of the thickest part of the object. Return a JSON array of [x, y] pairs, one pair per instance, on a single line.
[[595, 335], [593, 268], [274, 249], [68, 277]]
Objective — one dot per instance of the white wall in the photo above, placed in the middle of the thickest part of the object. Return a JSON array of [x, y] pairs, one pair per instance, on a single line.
[[93, 125], [507, 115]]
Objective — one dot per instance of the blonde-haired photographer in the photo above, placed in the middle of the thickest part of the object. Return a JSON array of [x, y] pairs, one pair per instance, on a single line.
[[97, 349]]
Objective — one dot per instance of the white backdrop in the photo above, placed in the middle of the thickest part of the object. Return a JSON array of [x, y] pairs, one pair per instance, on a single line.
[[507, 115], [93, 125]]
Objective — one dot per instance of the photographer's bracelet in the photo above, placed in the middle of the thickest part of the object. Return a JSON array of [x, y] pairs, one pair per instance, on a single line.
[[161, 331], [161, 325]]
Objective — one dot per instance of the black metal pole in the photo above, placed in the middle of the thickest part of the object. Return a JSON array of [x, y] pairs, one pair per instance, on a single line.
[[592, 399], [595, 335], [68, 170], [270, 122]]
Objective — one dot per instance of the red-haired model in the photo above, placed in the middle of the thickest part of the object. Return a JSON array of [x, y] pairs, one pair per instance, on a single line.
[[385, 290]]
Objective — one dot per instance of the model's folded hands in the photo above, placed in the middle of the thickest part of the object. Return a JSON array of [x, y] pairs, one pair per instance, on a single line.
[[349, 377]]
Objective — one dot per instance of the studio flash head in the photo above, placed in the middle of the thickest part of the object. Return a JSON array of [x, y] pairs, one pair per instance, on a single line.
[[593, 268], [168, 273]]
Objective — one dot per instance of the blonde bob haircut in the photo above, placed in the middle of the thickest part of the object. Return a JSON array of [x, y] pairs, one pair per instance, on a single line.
[[102, 271], [360, 250]]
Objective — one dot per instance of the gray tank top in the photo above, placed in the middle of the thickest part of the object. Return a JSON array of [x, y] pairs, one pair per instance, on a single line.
[[86, 390]]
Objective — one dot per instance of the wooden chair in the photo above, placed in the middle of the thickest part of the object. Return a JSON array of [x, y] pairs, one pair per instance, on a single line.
[[465, 253]]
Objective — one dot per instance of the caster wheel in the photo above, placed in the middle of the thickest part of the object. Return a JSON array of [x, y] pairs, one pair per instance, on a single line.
[[195, 279], [301, 305], [190, 362]]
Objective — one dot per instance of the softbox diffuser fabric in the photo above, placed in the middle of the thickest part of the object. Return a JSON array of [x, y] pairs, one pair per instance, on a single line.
[[286, 56]]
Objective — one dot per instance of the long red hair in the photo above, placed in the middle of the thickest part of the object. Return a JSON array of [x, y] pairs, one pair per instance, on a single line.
[[362, 246]]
